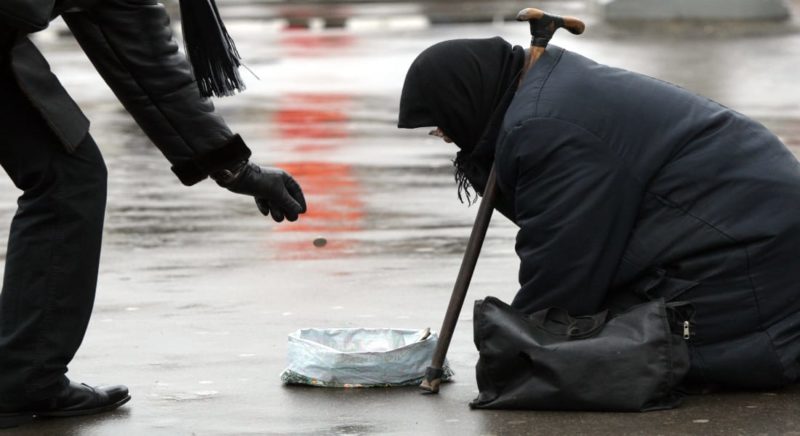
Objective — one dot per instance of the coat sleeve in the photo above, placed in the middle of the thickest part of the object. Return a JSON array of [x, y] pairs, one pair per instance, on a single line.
[[26, 16], [576, 205], [131, 45]]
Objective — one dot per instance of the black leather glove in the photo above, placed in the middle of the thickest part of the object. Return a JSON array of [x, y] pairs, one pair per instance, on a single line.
[[275, 191]]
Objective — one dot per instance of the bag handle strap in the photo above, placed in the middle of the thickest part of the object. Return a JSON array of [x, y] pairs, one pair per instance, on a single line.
[[557, 321]]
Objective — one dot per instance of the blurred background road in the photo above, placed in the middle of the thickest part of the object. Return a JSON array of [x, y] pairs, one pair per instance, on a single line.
[[197, 291]]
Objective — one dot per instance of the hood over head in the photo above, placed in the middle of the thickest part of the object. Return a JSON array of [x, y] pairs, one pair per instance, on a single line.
[[464, 87]]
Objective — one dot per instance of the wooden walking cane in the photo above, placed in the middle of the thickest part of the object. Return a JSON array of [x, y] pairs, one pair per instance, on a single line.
[[543, 26]]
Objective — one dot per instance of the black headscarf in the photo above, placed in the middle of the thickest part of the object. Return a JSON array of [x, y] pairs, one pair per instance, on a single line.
[[464, 87]]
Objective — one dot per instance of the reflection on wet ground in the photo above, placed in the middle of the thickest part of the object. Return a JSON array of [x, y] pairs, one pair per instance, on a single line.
[[197, 290], [332, 188]]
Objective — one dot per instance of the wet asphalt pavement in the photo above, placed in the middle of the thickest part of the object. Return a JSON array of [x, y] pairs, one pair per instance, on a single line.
[[197, 291]]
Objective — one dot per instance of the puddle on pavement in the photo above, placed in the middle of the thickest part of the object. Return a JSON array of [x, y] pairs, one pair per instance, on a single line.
[[180, 397]]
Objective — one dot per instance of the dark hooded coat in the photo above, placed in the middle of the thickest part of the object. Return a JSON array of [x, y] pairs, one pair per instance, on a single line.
[[627, 188]]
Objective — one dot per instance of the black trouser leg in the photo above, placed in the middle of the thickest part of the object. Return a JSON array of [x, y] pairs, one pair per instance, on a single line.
[[53, 251]]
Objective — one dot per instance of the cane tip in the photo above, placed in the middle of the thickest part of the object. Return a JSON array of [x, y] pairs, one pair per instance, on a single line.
[[430, 386]]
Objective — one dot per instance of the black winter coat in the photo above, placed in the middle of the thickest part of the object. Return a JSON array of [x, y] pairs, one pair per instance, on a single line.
[[131, 45], [626, 185]]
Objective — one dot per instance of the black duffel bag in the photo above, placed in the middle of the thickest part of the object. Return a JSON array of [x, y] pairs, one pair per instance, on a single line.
[[552, 361]]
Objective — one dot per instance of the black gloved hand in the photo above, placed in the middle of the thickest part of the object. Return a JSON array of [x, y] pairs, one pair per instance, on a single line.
[[275, 191]]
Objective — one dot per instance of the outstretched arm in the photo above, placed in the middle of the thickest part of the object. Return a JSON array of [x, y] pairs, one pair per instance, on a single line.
[[131, 44], [26, 16]]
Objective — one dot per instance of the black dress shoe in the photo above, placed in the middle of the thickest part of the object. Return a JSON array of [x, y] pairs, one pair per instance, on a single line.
[[76, 400]]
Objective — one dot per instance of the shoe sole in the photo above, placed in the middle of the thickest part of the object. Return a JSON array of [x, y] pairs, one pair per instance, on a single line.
[[17, 419], [83, 412]]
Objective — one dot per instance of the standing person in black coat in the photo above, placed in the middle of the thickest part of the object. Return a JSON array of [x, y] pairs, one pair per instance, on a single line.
[[54, 245], [626, 188]]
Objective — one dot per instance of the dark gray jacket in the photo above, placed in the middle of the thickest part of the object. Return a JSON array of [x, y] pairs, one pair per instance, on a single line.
[[131, 45], [627, 185]]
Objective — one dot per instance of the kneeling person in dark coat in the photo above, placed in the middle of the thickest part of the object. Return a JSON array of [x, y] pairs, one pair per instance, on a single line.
[[626, 188]]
